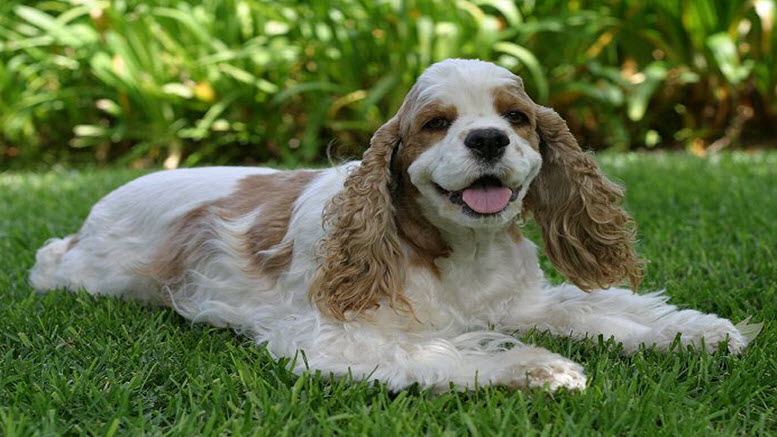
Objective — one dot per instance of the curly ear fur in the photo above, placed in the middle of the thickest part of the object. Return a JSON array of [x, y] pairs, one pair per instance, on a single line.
[[588, 236], [359, 257]]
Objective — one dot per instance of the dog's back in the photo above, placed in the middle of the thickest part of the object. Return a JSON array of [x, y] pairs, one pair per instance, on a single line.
[[126, 228]]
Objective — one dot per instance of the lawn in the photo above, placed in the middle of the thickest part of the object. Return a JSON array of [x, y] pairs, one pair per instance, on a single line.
[[73, 364]]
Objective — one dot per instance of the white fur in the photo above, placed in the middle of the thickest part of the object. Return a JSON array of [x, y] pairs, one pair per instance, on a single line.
[[488, 288]]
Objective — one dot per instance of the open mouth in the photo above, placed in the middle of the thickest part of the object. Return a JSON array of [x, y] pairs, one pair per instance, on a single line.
[[484, 197]]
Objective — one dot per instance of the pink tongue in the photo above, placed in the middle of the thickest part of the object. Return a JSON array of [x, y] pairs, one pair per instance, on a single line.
[[487, 200]]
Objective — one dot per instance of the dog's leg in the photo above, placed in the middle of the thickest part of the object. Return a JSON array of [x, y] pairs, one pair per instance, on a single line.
[[467, 361], [630, 318]]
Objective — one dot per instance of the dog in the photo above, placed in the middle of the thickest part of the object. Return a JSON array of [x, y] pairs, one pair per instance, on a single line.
[[408, 267]]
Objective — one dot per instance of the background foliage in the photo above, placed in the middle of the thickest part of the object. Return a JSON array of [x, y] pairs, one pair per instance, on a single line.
[[241, 81]]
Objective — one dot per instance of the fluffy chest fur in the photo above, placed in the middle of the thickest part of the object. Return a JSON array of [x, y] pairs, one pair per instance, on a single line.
[[479, 283]]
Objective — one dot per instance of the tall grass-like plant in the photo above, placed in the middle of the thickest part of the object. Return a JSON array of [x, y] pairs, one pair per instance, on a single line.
[[243, 81]]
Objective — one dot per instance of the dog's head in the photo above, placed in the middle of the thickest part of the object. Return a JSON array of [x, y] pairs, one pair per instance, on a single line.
[[468, 144], [471, 151]]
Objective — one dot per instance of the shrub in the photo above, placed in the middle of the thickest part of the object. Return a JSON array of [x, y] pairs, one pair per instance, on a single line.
[[244, 81]]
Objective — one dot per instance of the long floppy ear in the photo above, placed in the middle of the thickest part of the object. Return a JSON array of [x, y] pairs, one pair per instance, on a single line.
[[360, 255], [588, 236]]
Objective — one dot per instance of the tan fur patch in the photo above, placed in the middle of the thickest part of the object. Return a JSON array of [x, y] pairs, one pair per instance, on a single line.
[[189, 237], [73, 241], [423, 239], [513, 98], [514, 231], [588, 235], [417, 140], [360, 257], [274, 193]]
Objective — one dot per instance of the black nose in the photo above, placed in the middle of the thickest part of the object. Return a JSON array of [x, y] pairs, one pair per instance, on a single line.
[[488, 144]]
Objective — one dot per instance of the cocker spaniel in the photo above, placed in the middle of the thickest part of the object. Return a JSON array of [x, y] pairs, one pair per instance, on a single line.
[[406, 267]]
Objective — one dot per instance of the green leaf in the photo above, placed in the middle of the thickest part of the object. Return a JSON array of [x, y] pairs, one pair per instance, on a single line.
[[637, 101], [531, 63], [724, 51], [506, 7], [749, 330], [306, 88]]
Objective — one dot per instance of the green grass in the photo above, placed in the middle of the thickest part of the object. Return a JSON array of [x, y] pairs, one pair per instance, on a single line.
[[73, 364]]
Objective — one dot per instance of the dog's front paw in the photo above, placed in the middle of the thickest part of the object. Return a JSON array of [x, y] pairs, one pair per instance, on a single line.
[[540, 368], [554, 375]]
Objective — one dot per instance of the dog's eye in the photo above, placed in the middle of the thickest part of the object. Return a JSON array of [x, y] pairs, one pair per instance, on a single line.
[[437, 123], [516, 117]]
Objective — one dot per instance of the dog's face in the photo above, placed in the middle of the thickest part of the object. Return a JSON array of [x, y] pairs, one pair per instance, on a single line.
[[469, 143]]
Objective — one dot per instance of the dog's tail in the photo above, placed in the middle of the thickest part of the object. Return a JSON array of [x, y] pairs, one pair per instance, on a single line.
[[46, 273]]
